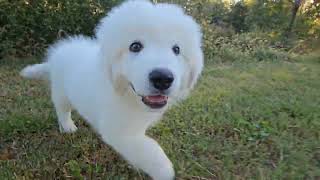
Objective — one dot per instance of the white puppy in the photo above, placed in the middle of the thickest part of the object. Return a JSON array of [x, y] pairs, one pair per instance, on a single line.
[[145, 57]]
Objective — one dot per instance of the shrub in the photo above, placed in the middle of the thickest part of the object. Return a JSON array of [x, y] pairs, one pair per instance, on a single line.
[[27, 26], [269, 54]]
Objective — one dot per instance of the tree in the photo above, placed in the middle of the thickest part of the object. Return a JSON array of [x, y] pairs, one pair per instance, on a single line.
[[237, 17], [296, 5]]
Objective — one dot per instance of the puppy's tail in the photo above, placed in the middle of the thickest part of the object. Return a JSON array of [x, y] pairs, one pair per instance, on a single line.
[[36, 71]]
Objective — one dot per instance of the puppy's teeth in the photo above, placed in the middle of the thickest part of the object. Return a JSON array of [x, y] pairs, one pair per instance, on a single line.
[[156, 99]]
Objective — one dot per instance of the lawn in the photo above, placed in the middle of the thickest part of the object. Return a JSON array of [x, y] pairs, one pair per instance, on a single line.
[[245, 120]]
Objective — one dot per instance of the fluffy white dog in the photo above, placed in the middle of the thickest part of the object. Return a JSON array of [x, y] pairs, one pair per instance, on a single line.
[[144, 58]]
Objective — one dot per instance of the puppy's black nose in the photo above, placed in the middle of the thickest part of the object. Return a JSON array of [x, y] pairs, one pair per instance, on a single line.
[[161, 79]]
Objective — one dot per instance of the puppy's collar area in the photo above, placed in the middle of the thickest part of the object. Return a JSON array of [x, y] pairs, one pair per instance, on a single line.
[[157, 101]]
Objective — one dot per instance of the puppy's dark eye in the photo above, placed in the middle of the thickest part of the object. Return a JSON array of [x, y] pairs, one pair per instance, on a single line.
[[176, 49], [136, 47]]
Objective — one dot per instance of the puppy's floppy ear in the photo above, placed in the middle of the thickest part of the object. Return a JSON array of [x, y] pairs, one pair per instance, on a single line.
[[120, 84], [193, 70], [119, 81], [196, 66]]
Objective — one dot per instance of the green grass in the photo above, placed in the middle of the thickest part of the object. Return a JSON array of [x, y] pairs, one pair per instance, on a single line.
[[257, 120]]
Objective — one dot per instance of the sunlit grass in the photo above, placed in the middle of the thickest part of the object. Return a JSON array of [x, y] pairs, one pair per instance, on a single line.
[[244, 120]]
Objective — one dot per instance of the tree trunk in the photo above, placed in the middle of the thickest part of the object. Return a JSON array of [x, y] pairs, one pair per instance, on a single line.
[[295, 8]]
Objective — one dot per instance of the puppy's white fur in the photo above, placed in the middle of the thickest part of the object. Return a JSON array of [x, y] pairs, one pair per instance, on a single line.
[[103, 80]]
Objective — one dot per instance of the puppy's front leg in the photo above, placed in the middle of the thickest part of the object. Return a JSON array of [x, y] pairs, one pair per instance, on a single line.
[[144, 153]]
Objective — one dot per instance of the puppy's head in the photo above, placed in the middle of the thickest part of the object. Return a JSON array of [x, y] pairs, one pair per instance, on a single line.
[[151, 52]]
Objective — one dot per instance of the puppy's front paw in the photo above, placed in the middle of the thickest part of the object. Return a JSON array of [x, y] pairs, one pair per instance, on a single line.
[[67, 127], [165, 173]]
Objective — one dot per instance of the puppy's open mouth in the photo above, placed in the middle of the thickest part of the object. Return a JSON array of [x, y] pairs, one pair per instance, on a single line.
[[155, 102]]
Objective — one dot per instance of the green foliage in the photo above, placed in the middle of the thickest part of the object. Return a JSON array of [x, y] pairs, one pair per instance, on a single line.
[[268, 15], [269, 54], [243, 47], [75, 169], [237, 17], [253, 30], [27, 27], [312, 19]]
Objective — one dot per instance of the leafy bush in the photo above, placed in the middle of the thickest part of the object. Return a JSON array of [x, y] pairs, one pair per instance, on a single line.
[[269, 54], [242, 47], [237, 17], [27, 26]]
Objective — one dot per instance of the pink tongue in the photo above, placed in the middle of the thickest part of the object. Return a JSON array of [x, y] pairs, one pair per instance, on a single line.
[[158, 98]]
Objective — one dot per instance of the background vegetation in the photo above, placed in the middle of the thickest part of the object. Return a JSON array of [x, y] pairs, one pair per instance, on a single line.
[[254, 114], [27, 27]]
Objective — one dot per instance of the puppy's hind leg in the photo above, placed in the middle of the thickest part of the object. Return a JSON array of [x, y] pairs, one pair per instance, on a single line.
[[63, 110]]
